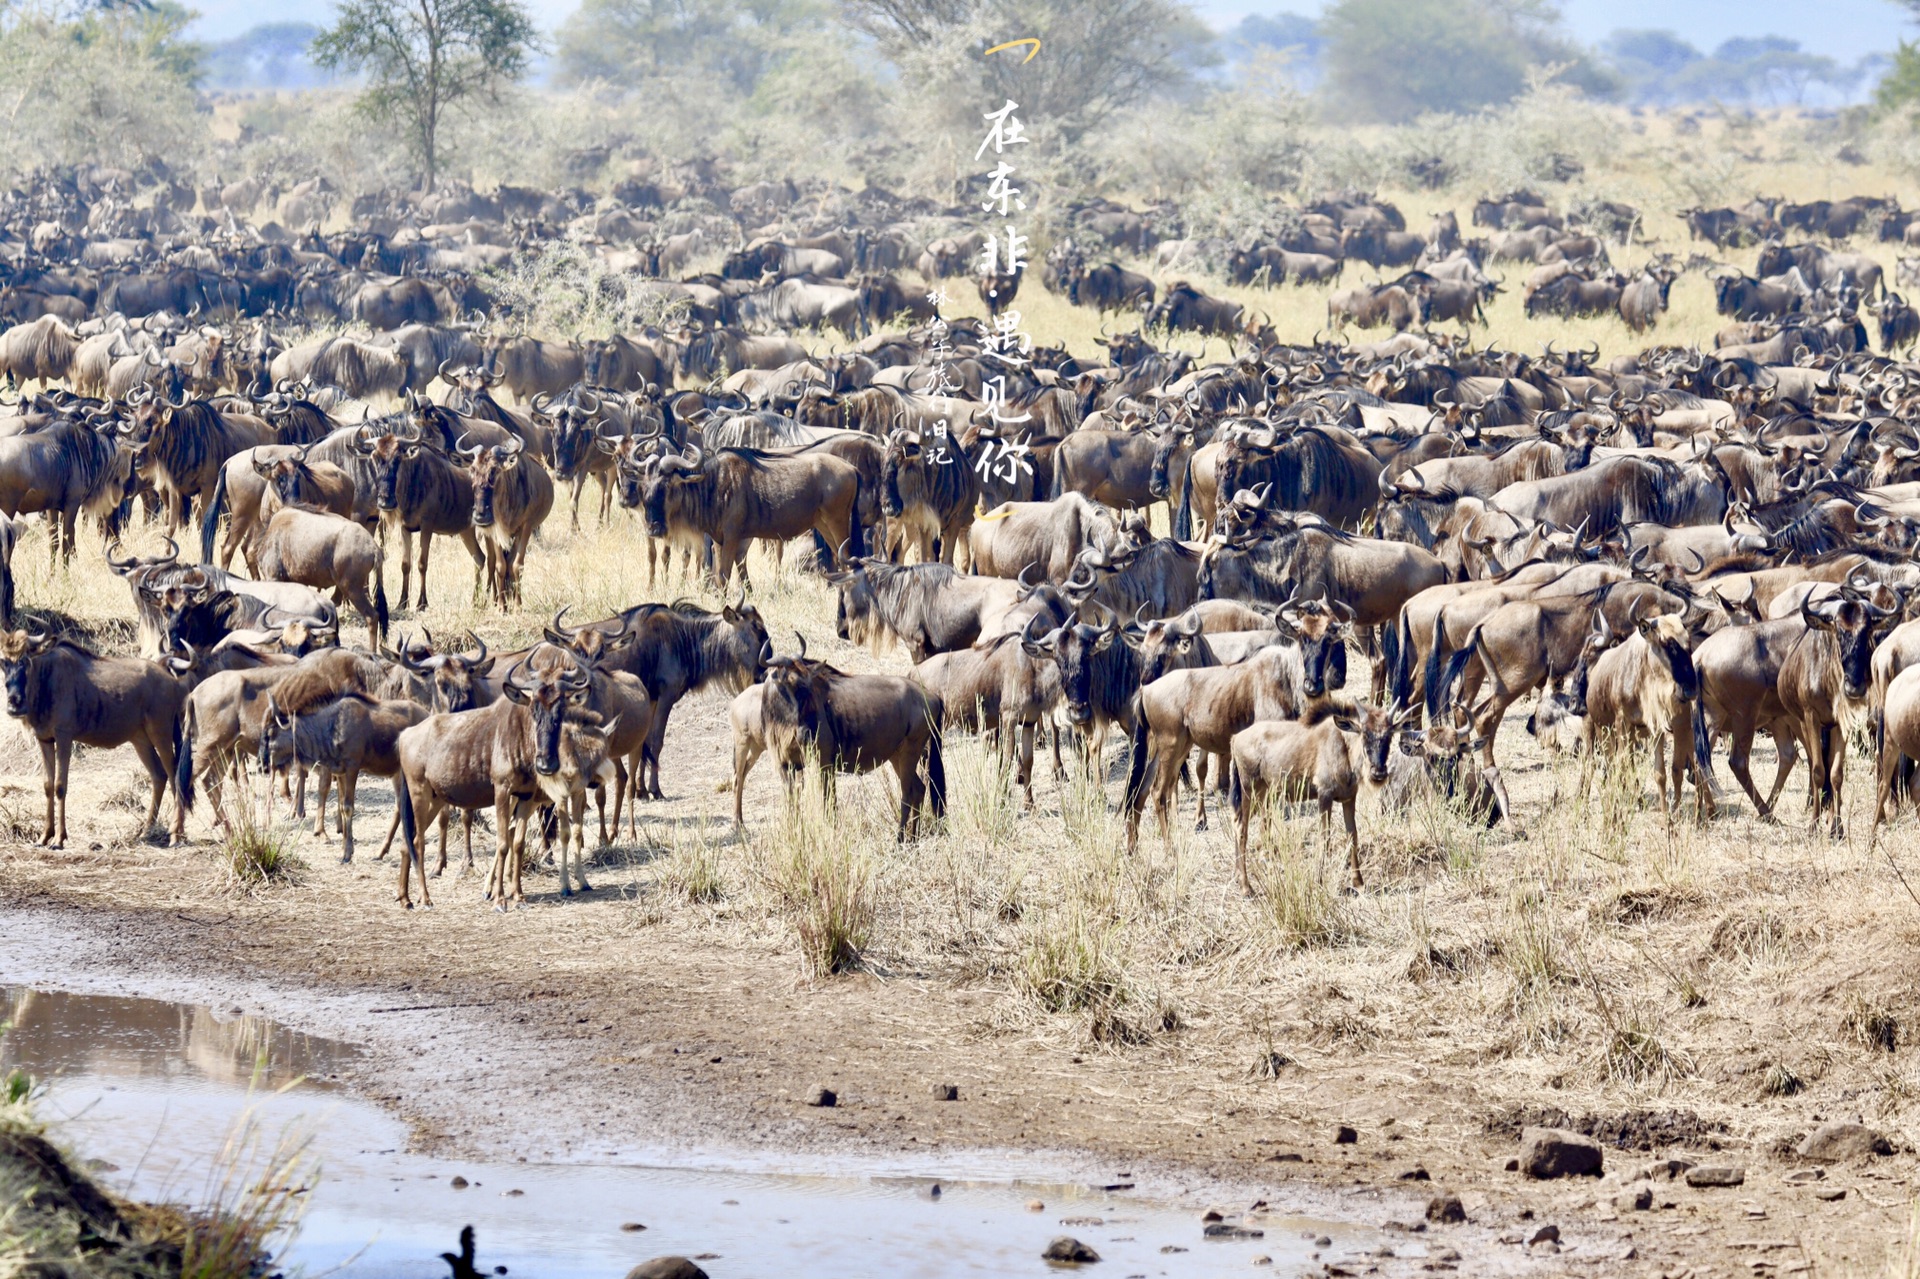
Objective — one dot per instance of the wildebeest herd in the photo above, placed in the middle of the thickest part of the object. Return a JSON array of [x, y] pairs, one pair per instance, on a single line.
[[1676, 546]]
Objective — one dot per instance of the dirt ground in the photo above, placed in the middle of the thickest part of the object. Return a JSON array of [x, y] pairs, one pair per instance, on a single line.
[[642, 1022]]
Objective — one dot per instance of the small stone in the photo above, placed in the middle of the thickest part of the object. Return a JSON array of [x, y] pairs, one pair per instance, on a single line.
[[1637, 1197], [1227, 1230], [1034, 1205], [1446, 1209], [1838, 1143], [1546, 1234], [1213, 1214], [1065, 1248], [1558, 1152], [1415, 1173], [1324, 1241], [1805, 1176], [946, 1092], [1383, 1251], [1715, 1177], [1511, 1164], [632, 1227], [823, 1097], [1263, 1260], [1344, 1135], [512, 1194], [1830, 1194], [1447, 1254], [1667, 1169], [459, 1183], [1171, 1248], [667, 1268]]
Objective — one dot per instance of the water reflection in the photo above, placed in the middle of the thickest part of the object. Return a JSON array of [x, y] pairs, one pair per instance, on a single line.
[[61, 1034], [151, 1089]]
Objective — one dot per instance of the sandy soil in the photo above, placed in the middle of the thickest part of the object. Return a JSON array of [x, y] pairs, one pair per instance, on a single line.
[[632, 1026]]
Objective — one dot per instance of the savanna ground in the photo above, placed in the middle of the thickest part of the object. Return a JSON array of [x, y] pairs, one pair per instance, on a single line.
[[1709, 991]]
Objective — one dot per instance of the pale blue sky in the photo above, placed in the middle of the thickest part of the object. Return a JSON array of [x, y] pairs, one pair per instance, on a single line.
[[1843, 29]]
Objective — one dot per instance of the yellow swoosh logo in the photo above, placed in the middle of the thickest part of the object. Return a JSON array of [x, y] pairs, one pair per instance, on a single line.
[[1015, 44]]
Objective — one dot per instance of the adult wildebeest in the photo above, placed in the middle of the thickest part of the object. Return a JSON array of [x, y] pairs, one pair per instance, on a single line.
[[360, 369], [418, 490], [1185, 307], [41, 351], [320, 549], [64, 694], [928, 490], [854, 724], [533, 366], [62, 470], [738, 495], [1647, 687], [1823, 685], [929, 607], [512, 495], [1015, 536]]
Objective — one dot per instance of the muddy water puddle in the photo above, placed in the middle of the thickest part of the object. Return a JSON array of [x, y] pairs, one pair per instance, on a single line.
[[150, 1092]]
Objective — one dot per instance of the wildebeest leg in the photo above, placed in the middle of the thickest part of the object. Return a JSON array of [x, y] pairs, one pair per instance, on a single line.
[[1788, 750], [67, 520], [393, 825], [1023, 769], [1353, 838], [349, 783], [1200, 789], [1739, 749], [1836, 745], [48, 773], [1660, 775], [150, 759], [426, 552], [1889, 772], [64, 750], [1059, 769], [1242, 807], [745, 755]]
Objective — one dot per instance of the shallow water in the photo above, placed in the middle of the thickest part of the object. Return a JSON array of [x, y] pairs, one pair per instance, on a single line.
[[152, 1091]]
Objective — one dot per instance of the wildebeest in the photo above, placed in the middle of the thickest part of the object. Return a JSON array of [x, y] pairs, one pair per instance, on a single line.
[[42, 350], [61, 471], [360, 369], [64, 694], [1647, 688], [1185, 307], [929, 607], [320, 549], [1289, 760], [1822, 687], [351, 735], [1015, 536], [736, 496], [928, 490], [854, 724], [512, 495]]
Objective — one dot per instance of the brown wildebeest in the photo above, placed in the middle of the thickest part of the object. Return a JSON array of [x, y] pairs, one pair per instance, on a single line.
[[1015, 536], [494, 755], [739, 495], [65, 694], [928, 607], [928, 489], [320, 549], [417, 490], [1296, 760], [351, 735], [1824, 681], [1648, 687], [1205, 706], [854, 724], [512, 496]]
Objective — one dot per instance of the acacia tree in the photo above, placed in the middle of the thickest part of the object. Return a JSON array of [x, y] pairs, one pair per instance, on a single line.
[[423, 59]]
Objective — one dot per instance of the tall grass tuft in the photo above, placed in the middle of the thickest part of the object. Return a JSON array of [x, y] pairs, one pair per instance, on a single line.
[[1071, 963], [254, 854], [1299, 902], [823, 877], [694, 865], [255, 1195]]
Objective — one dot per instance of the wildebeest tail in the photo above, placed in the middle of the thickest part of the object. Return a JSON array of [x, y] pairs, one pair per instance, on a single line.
[[409, 827], [380, 599], [856, 534], [1702, 746], [1137, 766], [1390, 656], [1056, 486], [1236, 790], [210, 522], [1183, 513], [183, 758], [936, 764], [1438, 696], [1433, 670]]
